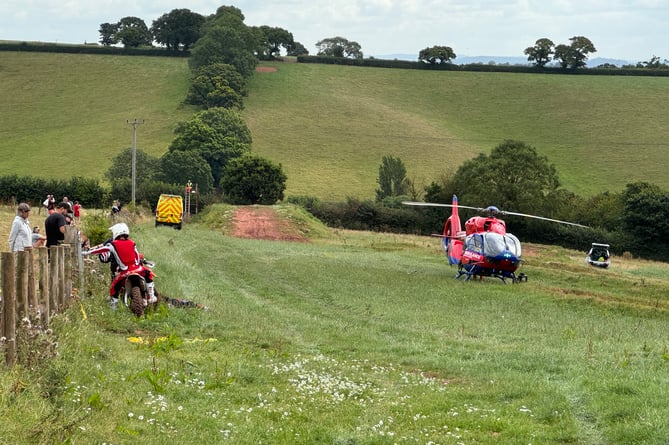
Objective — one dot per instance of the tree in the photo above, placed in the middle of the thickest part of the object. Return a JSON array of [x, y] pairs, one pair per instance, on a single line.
[[272, 39], [108, 34], [297, 49], [228, 42], [179, 167], [228, 16], [253, 180], [646, 218], [133, 32], [436, 54], [217, 85], [218, 135], [514, 176], [654, 63], [178, 29], [574, 55], [562, 55], [603, 210], [121, 166], [392, 178], [541, 52], [339, 47]]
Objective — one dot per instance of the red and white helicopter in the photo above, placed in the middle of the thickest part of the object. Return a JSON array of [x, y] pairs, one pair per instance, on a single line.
[[484, 248]]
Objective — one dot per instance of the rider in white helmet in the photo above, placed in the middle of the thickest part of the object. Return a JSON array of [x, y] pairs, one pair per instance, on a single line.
[[122, 252]]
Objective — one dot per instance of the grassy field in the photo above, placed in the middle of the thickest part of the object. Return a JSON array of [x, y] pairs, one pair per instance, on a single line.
[[329, 126], [65, 114], [352, 338]]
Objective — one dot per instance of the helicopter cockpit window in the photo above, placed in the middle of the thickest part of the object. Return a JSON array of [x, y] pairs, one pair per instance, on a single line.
[[496, 244], [513, 244], [474, 243]]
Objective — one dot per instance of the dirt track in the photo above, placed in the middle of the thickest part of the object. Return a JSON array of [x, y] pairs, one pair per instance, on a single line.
[[263, 223]]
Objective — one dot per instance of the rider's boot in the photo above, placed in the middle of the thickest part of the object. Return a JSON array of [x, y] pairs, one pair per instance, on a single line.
[[113, 303], [151, 292]]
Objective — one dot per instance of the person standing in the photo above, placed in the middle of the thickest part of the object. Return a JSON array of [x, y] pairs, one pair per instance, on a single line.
[[54, 225], [20, 235], [50, 204], [77, 210], [69, 216]]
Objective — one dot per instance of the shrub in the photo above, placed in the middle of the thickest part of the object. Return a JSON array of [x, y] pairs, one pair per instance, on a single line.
[[308, 203], [96, 227]]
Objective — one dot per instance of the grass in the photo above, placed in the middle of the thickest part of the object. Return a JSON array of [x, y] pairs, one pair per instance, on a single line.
[[329, 126], [65, 114], [353, 338]]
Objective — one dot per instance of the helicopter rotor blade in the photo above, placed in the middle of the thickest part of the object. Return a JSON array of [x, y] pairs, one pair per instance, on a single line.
[[543, 218], [433, 204], [500, 212]]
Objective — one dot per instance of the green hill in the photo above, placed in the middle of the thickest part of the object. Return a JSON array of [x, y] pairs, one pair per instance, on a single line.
[[329, 126], [65, 114]]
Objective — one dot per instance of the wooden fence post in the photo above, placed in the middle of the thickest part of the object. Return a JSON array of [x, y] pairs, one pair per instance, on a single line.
[[9, 303], [2, 303], [33, 273], [44, 285], [60, 251], [67, 275], [53, 280], [22, 267]]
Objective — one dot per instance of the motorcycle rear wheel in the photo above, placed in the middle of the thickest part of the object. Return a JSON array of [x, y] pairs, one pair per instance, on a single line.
[[137, 301]]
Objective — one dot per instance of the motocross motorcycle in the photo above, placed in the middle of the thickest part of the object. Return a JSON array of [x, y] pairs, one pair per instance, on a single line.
[[133, 291], [133, 288]]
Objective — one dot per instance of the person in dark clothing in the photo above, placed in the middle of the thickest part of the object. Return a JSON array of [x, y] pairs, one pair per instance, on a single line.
[[54, 225]]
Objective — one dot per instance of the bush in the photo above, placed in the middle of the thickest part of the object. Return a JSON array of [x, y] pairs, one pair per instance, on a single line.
[[96, 227], [253, 180], [309, 203], [33, 190], [368, 215]]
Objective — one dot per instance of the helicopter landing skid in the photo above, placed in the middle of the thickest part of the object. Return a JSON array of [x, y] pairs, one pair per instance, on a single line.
[[477, 272]]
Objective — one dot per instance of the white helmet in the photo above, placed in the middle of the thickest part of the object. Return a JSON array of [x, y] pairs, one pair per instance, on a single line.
[[119, 229]]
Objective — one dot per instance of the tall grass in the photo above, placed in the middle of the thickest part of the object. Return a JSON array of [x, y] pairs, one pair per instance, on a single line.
[[353, 338]]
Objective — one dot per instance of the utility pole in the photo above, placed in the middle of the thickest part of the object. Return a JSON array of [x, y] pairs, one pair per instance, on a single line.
[[135, 123]]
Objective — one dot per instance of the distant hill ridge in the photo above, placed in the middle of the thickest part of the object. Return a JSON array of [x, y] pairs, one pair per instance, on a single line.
[[503, 60]]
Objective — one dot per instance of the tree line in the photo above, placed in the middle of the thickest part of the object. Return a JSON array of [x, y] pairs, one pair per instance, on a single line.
[[514, 177]]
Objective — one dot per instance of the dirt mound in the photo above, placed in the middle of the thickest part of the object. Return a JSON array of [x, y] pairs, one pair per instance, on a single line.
[[263, 223]]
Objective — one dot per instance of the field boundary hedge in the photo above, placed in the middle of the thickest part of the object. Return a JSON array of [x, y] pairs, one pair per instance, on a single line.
[[480, 67]]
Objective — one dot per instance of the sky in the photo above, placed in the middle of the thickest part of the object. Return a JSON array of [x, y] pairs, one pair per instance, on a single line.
[[630, 30]]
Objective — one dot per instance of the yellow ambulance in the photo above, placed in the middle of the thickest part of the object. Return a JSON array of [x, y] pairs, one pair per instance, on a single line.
[[170, 211]]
